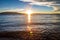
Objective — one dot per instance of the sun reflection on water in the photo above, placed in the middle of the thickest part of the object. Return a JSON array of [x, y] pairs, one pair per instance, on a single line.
[[29, 29], [29, 12]]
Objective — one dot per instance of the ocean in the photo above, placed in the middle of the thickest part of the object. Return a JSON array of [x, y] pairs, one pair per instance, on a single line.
[[42, 23]]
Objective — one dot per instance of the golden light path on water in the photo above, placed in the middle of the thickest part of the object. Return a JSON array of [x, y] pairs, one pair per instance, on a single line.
[[29, 15], [29, 12]]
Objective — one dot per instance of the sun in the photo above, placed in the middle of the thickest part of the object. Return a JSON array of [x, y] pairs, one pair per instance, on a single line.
[[29, 12]]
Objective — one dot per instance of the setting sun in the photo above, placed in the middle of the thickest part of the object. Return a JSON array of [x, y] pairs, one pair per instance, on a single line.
[[29, 12]]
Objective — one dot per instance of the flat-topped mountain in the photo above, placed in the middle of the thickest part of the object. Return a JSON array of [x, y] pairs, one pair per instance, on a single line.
[[16, 13], [11, 13]]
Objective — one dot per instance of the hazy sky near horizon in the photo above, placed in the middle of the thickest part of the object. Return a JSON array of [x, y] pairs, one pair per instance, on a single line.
[[35, 5]]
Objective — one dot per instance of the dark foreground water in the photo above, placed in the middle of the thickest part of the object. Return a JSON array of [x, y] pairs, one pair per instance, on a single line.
[[44, 27]]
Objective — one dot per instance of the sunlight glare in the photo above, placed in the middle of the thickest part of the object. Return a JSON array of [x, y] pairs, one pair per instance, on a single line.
[[29, 12]]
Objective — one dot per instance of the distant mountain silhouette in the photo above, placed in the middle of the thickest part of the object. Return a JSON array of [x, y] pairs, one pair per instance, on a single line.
[[11, 13], [16, 13]]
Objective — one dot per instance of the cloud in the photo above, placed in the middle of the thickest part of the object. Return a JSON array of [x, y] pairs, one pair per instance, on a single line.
[[27, 0], [55, 4], [56, 8], [13, 10]]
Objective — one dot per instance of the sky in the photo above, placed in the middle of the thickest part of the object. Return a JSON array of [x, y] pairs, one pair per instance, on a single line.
[[36, 6]]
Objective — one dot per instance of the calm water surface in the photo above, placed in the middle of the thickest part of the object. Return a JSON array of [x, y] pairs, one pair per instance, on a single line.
[[16, 22]]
